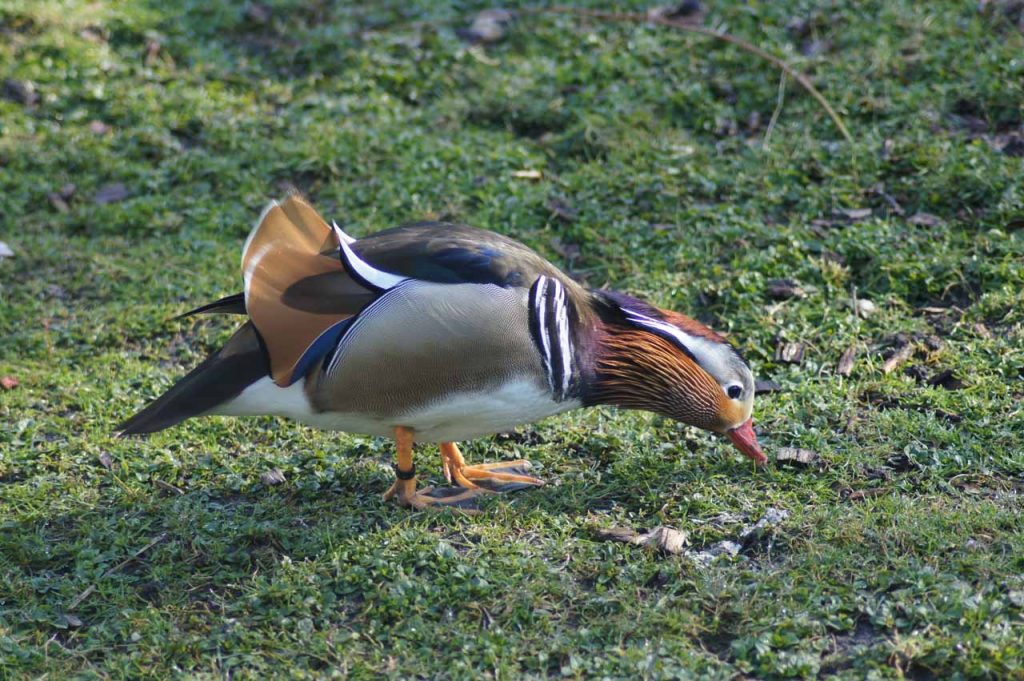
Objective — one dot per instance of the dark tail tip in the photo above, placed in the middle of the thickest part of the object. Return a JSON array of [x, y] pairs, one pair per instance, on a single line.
[[220, 377]]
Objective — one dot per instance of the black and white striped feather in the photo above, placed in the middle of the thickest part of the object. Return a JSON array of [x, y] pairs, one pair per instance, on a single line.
[[552, 328]]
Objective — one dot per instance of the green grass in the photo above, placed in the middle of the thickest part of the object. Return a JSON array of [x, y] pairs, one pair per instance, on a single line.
[[902, 553]]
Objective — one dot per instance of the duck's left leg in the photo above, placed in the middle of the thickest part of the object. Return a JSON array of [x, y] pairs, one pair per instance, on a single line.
[[504, 476], [404, 488]]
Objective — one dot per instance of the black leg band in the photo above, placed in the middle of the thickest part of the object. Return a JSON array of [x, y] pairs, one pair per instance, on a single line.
[[405, 475]]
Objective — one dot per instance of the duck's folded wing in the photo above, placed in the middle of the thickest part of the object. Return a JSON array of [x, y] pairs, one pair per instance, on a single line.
[[306, 280], [446, 253], [298, 295]]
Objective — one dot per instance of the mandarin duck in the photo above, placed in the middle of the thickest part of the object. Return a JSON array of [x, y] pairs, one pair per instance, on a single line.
[[436, 332]]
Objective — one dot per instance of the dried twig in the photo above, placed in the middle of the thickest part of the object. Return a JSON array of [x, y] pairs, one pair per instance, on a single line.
[[92, 587], [778, 109], [641, 18]]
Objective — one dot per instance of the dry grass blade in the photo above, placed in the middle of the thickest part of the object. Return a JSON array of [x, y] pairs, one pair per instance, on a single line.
[[92, 587], [639, 18]]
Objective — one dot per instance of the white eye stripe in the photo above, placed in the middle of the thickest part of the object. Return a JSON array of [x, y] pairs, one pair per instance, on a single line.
[[711, 356], [684, 339]]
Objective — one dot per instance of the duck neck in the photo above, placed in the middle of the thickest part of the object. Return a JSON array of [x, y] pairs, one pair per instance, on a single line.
[[632, 369]]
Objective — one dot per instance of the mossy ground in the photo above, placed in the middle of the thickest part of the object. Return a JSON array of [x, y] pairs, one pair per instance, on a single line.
[[903, 551]]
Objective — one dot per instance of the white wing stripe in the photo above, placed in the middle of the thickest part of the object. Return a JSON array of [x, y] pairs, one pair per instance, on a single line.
[[541, 312], [551, 327], [340, 234], [362, 269], [564, 341]]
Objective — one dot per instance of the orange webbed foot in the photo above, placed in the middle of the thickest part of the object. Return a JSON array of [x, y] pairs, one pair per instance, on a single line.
[[502, 476]]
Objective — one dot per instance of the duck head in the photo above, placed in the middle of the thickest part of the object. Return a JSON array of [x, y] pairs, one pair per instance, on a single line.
[[643, 357]]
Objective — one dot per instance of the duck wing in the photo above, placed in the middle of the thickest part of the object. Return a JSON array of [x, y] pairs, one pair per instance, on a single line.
[[306, 281], [446, 253]]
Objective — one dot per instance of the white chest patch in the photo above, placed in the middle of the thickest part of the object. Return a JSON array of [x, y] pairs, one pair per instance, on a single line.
[[458, 417]]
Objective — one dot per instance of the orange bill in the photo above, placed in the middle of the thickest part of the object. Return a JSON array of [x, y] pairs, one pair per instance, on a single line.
[[746, 441]]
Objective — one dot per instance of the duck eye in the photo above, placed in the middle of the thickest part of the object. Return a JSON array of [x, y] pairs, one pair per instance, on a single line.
[[734, 392]]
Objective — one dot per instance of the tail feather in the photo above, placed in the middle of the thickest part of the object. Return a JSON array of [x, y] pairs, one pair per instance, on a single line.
[[222, 376], [233, 304]]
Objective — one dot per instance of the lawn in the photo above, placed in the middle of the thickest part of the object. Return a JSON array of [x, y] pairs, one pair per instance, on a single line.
[[139, 142]]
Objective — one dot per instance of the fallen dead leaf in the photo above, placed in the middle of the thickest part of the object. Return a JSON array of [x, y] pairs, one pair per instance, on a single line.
[[982, 331], [569, 251], [784, 289], [853, 214], [153, 47], [258, 13], [661, 538], [168, 487], [772, 518], [620, 534], [925, 220], [845, 366], [886, 151], [111, 193], [812, 48], [272, 477], [670, 541], [881, 192], [764, 386], [790, 353], [21, 91], [562, 209], [864, 308], [667, 539], [861, 494], [92, 34], [685, 12], [820, 226], [902, 463], [898, 357], [797, 456], [1014, 146], [58, 202], [72, 621], [488, 26], [946, 379], [106, 461]]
